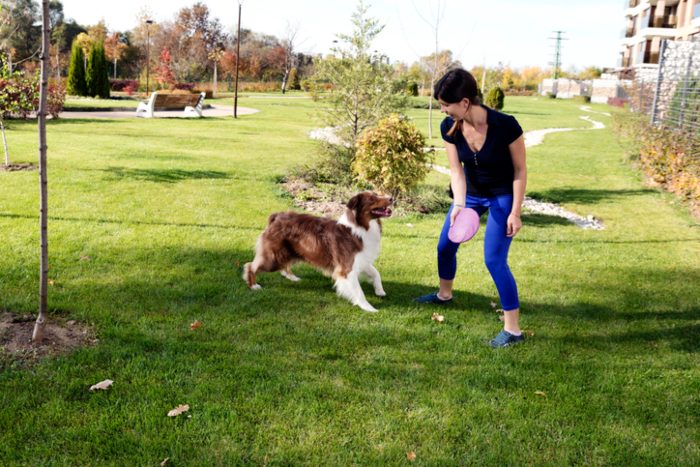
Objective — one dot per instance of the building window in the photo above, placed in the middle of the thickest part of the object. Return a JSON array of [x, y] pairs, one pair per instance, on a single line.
[[696, 10]]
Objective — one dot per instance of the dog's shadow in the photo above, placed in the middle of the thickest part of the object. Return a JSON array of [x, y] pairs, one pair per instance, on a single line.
[[398, 294]]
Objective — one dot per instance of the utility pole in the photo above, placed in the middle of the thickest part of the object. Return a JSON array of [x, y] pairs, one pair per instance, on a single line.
[[238, 59], [557, 53]]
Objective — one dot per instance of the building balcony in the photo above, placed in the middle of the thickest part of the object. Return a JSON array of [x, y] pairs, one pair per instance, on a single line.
[[647, 33], [665, 21]]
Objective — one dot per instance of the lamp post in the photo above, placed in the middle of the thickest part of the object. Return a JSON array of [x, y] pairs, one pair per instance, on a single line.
[[238, 59], [148, 51]]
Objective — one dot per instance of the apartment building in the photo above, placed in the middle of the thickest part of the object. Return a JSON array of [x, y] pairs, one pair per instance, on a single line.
[[651, 21]]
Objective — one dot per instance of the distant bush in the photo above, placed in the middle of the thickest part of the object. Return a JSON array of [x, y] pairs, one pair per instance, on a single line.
[[121, 85], [495, 98], [391, 155], [56, 98], [670, 158], [185, 86]]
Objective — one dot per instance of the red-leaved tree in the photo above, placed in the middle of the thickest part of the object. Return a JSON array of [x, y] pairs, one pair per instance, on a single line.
[[164, 72]]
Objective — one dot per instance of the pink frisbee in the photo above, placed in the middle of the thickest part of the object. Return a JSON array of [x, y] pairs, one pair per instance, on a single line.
[[465, 226]]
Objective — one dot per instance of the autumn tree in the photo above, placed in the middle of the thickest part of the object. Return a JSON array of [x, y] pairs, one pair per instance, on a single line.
[[115, 48], [164, 74]]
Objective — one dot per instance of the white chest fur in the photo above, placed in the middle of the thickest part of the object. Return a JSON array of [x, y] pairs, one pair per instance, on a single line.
[[371, 238]]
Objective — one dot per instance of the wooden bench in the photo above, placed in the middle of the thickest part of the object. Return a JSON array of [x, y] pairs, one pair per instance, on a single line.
[[191, 104]]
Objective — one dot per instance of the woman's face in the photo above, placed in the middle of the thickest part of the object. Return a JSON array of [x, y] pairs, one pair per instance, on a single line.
[[456, 110]]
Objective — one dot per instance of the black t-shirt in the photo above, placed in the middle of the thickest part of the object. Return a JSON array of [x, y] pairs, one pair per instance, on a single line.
[[493, 172]]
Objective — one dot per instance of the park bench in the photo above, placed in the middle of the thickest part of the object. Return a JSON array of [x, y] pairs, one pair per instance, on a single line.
[[191, 104]]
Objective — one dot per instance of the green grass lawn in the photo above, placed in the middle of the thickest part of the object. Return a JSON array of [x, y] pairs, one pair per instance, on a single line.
[[151, 221]]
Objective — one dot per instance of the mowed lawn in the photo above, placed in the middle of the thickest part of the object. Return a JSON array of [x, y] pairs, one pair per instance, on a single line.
[[152, 220]]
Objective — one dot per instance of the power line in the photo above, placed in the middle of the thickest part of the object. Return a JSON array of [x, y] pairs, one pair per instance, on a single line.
[[557, 53]]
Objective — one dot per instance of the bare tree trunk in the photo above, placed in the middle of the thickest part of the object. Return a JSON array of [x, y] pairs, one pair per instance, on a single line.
[[4, 143], [216, 81], [58, 64], [38, 334], [115, 67], [284, 80]]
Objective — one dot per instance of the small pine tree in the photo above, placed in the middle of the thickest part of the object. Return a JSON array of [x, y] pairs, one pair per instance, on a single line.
[[98, 72], [294, 80], [77, 86], [495, 98]]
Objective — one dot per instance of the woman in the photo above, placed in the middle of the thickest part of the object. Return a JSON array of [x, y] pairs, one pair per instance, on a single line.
[[486, 151]]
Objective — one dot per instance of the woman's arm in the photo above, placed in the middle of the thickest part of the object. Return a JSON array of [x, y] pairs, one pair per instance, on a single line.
[[457, 180], [517, 154]]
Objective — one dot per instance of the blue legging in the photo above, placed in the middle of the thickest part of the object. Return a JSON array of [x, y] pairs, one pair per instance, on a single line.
[[496, 245]]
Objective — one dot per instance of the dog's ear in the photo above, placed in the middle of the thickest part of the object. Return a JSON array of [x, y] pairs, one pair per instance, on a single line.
[[355, 202]]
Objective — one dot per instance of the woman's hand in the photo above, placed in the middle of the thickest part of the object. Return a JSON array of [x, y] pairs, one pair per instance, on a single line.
[[514, 225], [453, 214]]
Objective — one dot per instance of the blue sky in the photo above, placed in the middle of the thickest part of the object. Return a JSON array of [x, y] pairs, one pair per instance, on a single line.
[[511, 32]]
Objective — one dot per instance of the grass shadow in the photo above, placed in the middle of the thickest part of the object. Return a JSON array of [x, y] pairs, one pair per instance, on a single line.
[[164, 176], [579, 195]]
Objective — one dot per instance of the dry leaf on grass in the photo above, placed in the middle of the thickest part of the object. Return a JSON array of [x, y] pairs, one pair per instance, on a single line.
[[180, 409], [540, 393], [529, 333], [197, 324], [165, 462], [50, 281], [493, 304], [101, 385], [438, 317], [411, 456]]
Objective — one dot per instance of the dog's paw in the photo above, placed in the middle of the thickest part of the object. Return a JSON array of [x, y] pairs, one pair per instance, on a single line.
[[290, 276], [368, 308], [255, 287], [380, 293]]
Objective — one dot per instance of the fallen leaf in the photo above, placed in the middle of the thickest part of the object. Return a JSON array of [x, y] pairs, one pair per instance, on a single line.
[[529, 333], [50, 281], [438, 317], [410, 226], [197, 324], [101, 385], [540, 393], [411, 456], [493, 305], [84, 258], [165, 462], [499, 310], [501, 318], [180, 409], [238, 264]]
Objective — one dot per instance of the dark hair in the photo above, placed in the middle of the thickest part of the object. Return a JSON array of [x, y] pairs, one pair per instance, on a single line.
[[455, 85]]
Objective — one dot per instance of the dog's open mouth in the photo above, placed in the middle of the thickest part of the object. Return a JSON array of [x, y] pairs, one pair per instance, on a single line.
[[386, 212]]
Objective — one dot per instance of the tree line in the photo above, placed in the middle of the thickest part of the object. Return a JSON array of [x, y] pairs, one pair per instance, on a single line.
[[193, 47]]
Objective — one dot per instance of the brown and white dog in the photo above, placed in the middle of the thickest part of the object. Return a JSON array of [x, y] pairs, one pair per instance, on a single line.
[[343, 249]]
